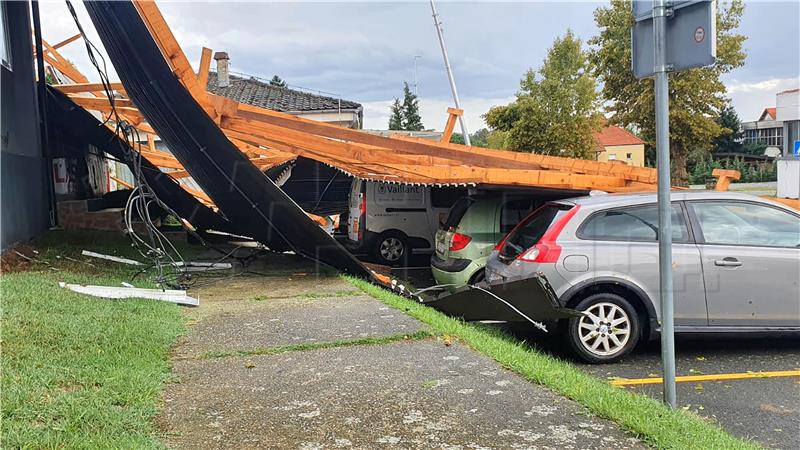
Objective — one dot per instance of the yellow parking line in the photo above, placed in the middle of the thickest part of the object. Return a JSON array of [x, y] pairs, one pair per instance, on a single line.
[[712, 377]]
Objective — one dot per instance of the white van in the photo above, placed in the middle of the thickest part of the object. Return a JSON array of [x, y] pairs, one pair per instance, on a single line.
[[390, 221]]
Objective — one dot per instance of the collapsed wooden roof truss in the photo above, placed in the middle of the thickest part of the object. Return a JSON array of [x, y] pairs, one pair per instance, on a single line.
[[270, 137]]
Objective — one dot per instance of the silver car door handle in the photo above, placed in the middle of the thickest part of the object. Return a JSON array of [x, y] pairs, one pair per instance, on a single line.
[[728, 262]]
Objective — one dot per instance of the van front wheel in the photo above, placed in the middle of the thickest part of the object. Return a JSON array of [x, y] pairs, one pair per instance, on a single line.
[[391, 249]]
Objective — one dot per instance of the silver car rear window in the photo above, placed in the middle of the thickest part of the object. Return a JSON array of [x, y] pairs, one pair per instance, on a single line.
[[530, 231]]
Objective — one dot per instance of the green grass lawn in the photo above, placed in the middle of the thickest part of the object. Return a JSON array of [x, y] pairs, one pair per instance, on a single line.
[[79, 371], [644, 417]]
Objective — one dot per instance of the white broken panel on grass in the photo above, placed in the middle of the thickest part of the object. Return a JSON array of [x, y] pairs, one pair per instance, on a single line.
[[111, 258], [114, 292], [200, 266]]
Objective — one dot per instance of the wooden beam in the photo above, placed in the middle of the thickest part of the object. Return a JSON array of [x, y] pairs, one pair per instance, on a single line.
[[102, 105], [452, 118], [172, 52], [724, 178], [77, 88], [67, 41], [205, 65], [100, 102], [120, 182], [329, 146], [428, 148]]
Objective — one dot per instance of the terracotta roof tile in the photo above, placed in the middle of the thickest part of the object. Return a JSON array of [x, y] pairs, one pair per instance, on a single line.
[[614, 135]]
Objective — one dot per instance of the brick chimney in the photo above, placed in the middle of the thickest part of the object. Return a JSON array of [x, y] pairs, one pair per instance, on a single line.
[[223, 75]]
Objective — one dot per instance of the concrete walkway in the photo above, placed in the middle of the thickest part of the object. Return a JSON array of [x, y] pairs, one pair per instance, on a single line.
[[230, 392]]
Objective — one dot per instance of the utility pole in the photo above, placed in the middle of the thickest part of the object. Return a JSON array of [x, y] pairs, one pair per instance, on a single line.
[[660, 12], [438, 24]]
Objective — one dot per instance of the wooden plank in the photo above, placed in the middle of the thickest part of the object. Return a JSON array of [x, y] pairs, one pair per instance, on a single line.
[[67, 41], [76, 88], [451, 124], [101, 102], [642, 174], [131, 113], [448, 129], [173, 53], [120, 182], [66, 68], [790, 202], [205, 65], [329, 146], [724, 178], [405, 146]]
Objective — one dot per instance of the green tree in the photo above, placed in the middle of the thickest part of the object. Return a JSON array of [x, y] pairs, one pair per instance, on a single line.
[[277, 81], [411, 118], [696, 96], [479, 138], [396, 118], [730, 140], [556, 110]]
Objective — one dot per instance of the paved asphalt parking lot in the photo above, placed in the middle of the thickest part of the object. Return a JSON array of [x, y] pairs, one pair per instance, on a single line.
[[766, 410]]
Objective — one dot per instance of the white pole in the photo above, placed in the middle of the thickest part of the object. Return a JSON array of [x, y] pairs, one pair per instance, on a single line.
[[438, 25], [416, 81]]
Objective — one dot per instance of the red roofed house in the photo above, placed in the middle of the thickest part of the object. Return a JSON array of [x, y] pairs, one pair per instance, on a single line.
[[618, 144]]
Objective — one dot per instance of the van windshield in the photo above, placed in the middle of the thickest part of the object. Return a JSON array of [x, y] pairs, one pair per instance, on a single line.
[[457, 212], [530, 231]]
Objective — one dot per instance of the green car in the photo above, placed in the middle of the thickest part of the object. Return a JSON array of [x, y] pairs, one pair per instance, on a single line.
[[473, 227]]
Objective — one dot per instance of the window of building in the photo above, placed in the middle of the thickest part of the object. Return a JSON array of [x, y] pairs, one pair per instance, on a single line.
[[612, 156], [629, 155]]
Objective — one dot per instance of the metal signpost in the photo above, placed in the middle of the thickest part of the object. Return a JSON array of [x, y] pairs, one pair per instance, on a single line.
[[669, 36]]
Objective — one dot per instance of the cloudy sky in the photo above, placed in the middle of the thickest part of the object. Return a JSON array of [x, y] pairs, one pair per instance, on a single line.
[[363, 51]]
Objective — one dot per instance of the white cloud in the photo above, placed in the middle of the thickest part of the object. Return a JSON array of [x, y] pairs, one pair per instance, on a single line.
[[750, 98]]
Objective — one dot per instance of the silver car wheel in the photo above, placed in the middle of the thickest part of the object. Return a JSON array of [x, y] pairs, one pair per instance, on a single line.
[[604, 329], [392, 249]]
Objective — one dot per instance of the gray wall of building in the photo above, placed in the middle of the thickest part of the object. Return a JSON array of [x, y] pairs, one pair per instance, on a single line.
[[23, 169]]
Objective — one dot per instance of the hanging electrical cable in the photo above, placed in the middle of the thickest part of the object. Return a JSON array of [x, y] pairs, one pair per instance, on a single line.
[[155, 246]]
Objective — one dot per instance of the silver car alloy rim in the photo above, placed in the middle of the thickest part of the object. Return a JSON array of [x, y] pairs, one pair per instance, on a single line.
[[391, 249], [604, 329]]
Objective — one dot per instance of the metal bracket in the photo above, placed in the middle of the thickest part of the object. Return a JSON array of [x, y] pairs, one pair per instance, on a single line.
[[664, 11], [664, 68]]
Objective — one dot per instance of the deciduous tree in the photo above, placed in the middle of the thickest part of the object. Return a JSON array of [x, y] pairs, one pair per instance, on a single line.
[[556, 111]]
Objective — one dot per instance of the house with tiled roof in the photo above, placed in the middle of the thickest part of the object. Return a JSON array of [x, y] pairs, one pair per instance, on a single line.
[[618, 144], [257, 92]]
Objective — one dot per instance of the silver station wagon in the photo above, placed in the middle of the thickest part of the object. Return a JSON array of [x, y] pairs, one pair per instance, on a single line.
[[736, 266]]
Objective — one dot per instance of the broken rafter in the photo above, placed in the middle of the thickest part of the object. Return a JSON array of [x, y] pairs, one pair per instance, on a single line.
[[76, 88]]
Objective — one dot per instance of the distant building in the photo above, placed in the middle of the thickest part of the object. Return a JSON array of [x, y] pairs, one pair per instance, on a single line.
[[779, 127], [788, 113], [256, 92], [618, 144], [766, 130]]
